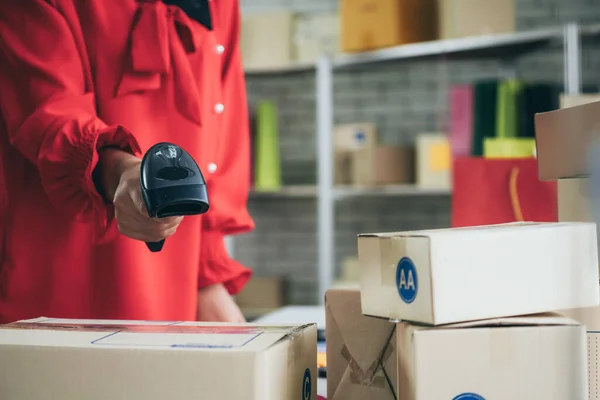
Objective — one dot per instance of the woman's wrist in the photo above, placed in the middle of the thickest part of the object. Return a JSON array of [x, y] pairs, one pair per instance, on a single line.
[[111, 165]]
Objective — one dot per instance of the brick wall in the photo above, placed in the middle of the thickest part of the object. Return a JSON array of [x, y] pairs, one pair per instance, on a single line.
[[403, 99]]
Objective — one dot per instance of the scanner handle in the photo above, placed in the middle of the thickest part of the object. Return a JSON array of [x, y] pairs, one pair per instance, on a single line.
[[155, 246]]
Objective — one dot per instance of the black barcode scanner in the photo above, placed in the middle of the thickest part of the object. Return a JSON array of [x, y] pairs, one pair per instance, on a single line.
[[172, 185]]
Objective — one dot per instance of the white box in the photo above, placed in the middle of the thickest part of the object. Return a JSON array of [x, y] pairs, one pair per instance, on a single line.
[[463, 274]]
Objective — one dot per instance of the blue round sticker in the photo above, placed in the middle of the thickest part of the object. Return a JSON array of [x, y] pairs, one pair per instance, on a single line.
[[468, 396], [360, 136], [406, 280], [306, 385]]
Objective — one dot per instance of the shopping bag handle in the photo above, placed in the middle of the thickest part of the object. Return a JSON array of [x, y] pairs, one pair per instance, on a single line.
[[514, 194]]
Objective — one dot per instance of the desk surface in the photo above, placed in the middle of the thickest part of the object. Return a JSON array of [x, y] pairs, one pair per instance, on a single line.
[[296, 315], [322, 387]]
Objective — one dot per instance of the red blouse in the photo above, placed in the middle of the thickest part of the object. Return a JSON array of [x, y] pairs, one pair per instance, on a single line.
[[79, 75]]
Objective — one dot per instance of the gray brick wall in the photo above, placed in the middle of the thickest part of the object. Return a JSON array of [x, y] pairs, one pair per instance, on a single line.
[[403, 99]]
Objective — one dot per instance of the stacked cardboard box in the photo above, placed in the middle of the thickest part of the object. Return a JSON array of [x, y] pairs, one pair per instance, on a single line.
[[361, 160], [279, 39], [564, 138], [465, 314]]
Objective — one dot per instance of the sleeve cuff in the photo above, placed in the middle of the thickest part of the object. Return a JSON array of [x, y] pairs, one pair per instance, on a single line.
[[217, 267], [66, 173]]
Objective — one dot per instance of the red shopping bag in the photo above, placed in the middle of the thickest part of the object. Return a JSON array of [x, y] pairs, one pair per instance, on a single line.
[[495, 191]]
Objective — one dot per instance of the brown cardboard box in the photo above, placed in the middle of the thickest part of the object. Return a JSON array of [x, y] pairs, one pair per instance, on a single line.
[[382, 165], [462, 18], [590, 317], [374, 24], [433, 276], [260, 296], [348, 138], [140, 360], [433, 160], [533, 357], [273, 28], [564, 137], [574, 194]]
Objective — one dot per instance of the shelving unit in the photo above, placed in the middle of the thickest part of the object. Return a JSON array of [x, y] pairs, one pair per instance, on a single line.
[[499, 46], [344, 192]]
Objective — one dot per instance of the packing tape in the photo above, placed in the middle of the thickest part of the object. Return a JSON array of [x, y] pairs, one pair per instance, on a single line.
[[391, 251], [367, 378], [297, 346], [388, 262], [375, 375], [169, 327]]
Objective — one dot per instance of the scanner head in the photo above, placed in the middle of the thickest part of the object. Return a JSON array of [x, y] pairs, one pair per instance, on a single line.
[[172, 184]]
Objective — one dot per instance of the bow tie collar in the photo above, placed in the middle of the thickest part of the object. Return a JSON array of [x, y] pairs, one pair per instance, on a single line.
[[160, 41]]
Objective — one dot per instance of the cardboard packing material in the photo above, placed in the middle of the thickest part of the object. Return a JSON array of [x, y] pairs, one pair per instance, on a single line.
[[590, 317], [564, 138], [463, 18], [463, 274], [382, 165], [316, 35], [530, 357], [374, 24], [97, 360], [434, 157], [261, 295], [266, 40], [349, 138]]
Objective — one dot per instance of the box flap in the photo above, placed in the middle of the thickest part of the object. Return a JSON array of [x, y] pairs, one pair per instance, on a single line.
[[545, 319], [355, 364], [563, 139], [437, 232], [51, 332], [588, 316]]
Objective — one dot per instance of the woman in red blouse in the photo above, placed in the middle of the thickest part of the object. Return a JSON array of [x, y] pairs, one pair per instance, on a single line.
[[86, 86]]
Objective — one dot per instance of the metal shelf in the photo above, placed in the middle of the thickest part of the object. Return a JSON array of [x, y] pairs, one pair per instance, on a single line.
[[345, 192], [499, 46], [280, 70], [286, 191], [474, 46]]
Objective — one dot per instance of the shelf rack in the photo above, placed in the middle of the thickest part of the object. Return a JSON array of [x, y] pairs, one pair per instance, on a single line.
[[327, 195]]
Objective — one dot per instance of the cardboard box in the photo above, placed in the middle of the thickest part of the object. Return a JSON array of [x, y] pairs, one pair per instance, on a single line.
[[316, 35], [97, 360], [261, 295], [590, 317], [433, 160], [463, 18], [382, 165], [273, 28], [574, 200], [463, 274], [534, 357], [374, 24], [348, 138], [564, 138]]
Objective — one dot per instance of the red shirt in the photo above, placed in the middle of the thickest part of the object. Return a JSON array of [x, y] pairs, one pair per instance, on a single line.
[[79, 75]]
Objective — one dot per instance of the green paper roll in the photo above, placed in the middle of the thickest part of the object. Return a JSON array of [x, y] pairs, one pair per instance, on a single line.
[[507, 120], [267, 167]]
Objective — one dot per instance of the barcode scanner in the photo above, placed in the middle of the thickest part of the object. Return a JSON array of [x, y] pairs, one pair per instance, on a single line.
[[172, 185]]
